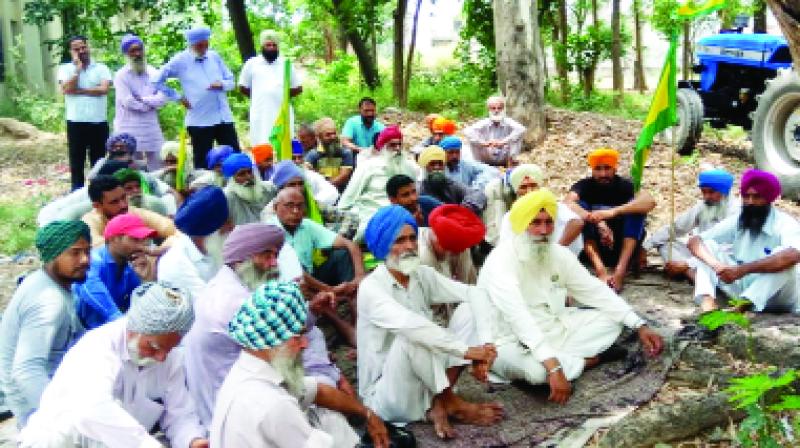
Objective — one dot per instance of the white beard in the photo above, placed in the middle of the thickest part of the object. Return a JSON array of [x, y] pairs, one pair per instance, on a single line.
[[406, 263], [394, 162], [136, 358], [498, 117], [214, 244], [139, 67], [531, 250], [252, 193], [291, 370], [251, 276], [711, 214]]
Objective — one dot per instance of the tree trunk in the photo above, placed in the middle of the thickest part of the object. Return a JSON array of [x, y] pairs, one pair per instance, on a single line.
[[639, 80], [519, 66], [787, 13], [687, 50], [616, 52], [595, 19], [367, 66], [241, 29], [330, 44], [399, 16], [373, 34], [759, 17], [410, 61], [342, 32], [560, 49]]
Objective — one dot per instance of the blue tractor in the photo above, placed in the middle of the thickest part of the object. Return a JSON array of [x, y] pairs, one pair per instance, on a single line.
[[746, 80]]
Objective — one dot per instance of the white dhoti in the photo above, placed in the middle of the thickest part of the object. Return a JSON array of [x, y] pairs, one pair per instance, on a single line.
[[334, 424], [772, 292]]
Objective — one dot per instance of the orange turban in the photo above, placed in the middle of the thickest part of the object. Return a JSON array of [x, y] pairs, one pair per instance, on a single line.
[[261, 152], [429, 120], [604, 156], [442, 124]]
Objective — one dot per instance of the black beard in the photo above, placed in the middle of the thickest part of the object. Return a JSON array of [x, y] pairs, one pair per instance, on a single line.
[[368, 121], [753, 217], [270, 55]]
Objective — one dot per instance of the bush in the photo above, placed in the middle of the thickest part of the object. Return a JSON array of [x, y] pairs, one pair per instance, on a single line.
[[634, 105], [18, 223]]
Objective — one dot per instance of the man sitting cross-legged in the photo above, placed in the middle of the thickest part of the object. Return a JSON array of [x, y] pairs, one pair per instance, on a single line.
[[261, 402], [752, 256], [407, 364], [539, 339]]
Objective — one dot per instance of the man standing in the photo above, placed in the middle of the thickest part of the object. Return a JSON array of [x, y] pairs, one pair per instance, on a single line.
[[359, 131], [137, 102], [39, 324], [85, 85], [613, 216], [716, 205], [752, 256], [539, 339], [246, 195], [205, 79], [469, 173], [438, 185], [330, 159], [190, 262], [106, 293], [263, 80], [407, 364], [121, 379], [493, 139], [269, 328]]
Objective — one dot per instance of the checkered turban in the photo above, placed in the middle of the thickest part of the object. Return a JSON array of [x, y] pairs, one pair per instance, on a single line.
[[271, 316]]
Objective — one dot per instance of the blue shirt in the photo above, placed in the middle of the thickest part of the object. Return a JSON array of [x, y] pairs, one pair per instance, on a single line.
[[361, 136], [472, 174], [106, 293], [209, 107]]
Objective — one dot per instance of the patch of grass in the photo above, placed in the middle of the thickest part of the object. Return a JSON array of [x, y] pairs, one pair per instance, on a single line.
[[634, 105], [18, 224]]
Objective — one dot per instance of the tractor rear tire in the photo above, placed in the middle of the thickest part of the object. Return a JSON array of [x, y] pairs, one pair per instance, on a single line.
[[776, 131], [690, 122]]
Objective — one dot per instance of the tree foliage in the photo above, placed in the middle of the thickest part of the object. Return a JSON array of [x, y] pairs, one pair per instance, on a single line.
[[476, 49]]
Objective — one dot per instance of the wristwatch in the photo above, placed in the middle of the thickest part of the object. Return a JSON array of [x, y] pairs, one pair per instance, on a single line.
[[554, 370]]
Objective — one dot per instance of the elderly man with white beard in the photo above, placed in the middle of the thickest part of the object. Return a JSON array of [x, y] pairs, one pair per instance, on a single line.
[[269, 327], [539, 339], [247, 195], [366, 191], [495, 138], [407, 364], [715, 206], [121, 379], [137, 102]]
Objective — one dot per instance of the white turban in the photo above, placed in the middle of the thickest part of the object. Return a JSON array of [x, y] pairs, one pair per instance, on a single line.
[[168, 148], [269, 36], [158, 308], [519, 173]]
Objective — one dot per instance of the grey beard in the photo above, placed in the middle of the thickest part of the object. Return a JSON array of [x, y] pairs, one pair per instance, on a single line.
[[251, 193], [251, 276], [394, 163], [138, 66], [712, 214], [214, 244], [291, 370]]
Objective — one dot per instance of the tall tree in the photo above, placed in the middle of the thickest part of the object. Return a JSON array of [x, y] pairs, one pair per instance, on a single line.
[[560, 53], [519, 66], [366, 64], [399, 16], [639, 81], [787, 13], [241, 28], [410, 60], [759, 16], [616, 52]]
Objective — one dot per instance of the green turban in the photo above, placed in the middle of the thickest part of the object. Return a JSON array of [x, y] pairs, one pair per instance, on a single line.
[[58, 236], [127, 175]]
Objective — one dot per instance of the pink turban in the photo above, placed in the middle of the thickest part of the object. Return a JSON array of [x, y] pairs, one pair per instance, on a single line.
[[765, 184], [247, 240], [389, 133]]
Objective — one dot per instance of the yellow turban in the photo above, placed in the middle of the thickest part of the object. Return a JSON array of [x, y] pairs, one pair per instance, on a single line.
[[430, 154], [604, 156], [527, 207], [519, 173]]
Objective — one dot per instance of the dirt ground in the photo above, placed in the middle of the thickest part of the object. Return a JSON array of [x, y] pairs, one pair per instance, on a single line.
[[34, 163]]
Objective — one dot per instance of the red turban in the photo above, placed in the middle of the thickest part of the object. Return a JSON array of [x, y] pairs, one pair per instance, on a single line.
[[765, 184], [456, 227], [389, 133]]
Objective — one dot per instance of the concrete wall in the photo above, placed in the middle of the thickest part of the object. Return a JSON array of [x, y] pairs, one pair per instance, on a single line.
[[38, 64]]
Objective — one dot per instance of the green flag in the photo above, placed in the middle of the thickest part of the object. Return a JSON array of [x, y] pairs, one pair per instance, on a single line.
[[690, 10], [662, 114], [281, 135]]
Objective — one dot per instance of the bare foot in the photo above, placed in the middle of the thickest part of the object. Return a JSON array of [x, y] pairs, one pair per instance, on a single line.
[[480, 414], [708, 304], [437, 414]]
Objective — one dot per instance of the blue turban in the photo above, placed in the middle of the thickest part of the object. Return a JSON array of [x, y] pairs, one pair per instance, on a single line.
[[285, 170], [202, 213], [218, 155], [383, 228], [234, 163], [426, 205], [197, 34], [717, 180], [124, 137], [450, 143], [297, 148], [128, 40]]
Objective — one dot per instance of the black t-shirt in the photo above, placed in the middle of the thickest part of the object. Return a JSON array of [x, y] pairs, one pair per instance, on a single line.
[[618, 192]]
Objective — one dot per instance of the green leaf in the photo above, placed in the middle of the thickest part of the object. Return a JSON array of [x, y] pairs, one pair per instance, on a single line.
[[788, 402], [715, 319], [748, 390]]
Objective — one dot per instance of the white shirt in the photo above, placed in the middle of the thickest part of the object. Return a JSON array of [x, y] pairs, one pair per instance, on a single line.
[[564, 215], [98, 392], [457, 266], [185, 266], [85, 108], [265, 81], [531, 298], [254, 410], [387, 310], [324, 192], [692, 222]]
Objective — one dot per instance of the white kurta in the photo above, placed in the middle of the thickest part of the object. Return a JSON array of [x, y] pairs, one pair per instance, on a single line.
[[185, 266], [531, 322], [458, 266], [98, 395], [265, 81], [402, 353], [563, 216]]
